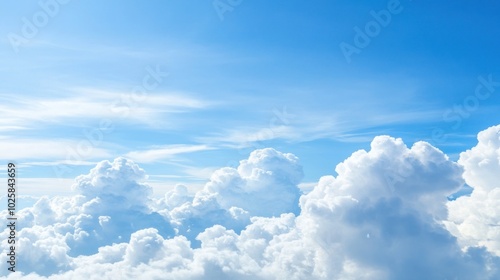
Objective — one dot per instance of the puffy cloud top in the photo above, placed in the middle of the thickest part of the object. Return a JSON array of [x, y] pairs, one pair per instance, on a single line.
[[118, 183], [421, 176], [265, 184]]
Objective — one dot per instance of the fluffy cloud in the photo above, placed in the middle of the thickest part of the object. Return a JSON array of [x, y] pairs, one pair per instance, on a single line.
[[117, 184], [384, 215], [475, 219], [265, 184], [113, 203]]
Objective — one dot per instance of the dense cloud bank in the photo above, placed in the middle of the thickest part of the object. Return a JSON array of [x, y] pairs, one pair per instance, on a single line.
[[384, 215]]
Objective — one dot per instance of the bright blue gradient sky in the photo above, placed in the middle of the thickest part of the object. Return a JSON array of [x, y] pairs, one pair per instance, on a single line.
[[265, 74]]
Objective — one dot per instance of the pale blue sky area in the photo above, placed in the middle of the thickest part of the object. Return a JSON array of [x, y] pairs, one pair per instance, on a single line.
[[185, 87]]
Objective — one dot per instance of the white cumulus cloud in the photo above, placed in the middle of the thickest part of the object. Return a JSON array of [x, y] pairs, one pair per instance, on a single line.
[[475, 219], [385, 214]]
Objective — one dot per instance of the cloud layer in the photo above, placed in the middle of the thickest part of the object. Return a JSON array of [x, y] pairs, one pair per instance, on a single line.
[[383, 215]]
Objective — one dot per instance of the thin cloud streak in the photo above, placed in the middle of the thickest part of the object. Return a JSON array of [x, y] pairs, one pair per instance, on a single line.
[[343, 127], [43, 149], [165, 152], [31, 112]]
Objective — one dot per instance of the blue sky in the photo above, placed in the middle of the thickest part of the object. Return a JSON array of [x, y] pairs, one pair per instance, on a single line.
[[238, 139], [262, 74]]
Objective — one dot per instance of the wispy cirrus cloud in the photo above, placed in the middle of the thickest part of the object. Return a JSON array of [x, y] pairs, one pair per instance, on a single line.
[[248, 136], [342, 126], [59, 162], [44, 149], [29, 112], [47, 186], [157, 153]]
